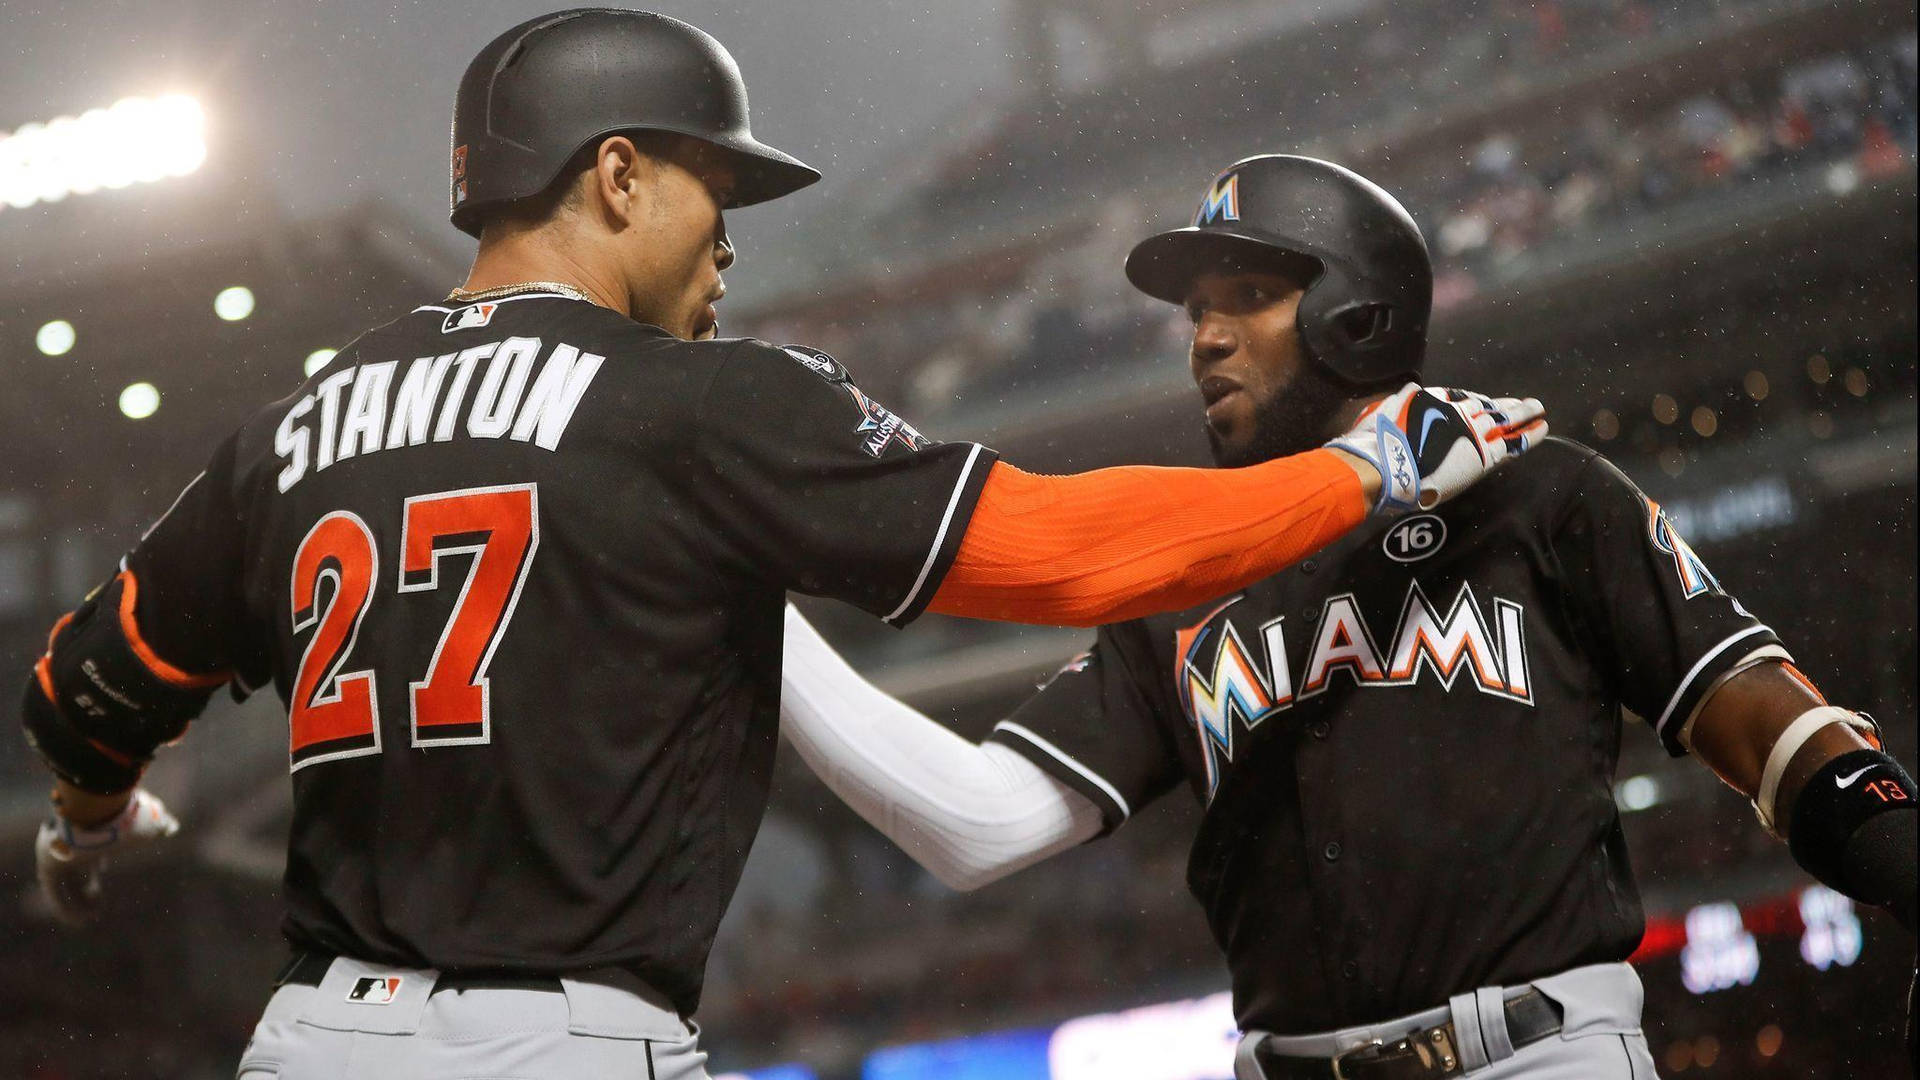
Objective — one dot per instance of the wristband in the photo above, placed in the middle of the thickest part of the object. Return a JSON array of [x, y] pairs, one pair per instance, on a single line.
[[1845, 794], [72, 756]]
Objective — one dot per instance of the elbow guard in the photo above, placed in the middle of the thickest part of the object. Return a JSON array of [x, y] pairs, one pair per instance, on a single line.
[[1853, 828], [100, 701]]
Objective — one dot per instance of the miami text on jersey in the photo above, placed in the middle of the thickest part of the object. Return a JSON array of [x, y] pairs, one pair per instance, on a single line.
[[1221, 686], [377, 416]]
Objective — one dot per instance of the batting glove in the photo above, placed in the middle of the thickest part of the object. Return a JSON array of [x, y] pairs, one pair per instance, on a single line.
[[69, 858], [1432, 443]]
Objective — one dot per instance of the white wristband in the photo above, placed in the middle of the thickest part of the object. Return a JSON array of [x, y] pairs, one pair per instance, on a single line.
[[1789, 744]]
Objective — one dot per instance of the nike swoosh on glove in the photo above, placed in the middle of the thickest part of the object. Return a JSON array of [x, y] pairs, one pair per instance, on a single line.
[[1431, 443], [68, 858]]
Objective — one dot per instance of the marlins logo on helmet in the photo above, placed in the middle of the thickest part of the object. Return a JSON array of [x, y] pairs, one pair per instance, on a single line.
[[1222, 201]]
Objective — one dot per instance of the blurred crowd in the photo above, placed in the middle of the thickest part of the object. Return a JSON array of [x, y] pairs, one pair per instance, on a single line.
[[1853, 111], [1038, 315], [1297, 84]]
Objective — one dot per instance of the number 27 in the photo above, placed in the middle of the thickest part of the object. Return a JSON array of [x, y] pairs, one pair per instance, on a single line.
[[335, 714]]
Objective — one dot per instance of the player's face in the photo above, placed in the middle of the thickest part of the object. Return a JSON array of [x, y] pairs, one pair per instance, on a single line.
[[677, 258], [1263, 399]]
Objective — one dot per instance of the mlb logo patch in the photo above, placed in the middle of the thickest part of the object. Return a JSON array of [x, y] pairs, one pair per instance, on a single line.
[[467, 318], [460, 162], [374, 990]]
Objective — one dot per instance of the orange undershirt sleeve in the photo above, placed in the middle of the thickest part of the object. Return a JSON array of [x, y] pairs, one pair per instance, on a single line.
[[1116, 544]]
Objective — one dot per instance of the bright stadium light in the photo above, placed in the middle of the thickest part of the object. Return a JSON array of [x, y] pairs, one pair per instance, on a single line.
[[317, 359], [139, 401], [134, 140], [55, 338], [233, 303], [1638, 792]]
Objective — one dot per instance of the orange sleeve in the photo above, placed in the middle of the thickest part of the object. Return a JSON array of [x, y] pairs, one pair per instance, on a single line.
[[1116, 544]]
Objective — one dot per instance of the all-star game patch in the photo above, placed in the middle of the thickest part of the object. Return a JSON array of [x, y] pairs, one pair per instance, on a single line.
[[882, 427]]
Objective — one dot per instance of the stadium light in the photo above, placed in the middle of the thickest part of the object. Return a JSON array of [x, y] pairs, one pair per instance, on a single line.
[[134, 140], [55, 338], [317, 359], [1638, 793], [139, 401], [233, 303]]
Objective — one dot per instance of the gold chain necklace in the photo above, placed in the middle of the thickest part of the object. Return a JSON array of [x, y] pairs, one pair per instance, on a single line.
[[469, 296]]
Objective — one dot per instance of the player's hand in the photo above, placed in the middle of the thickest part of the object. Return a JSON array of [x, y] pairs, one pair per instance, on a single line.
[[1432, 443], [69, 858]]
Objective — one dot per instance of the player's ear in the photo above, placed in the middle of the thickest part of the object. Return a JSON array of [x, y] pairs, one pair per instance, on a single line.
[[619, 185]]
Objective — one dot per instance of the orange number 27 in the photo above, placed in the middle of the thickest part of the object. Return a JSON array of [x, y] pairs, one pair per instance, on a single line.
[[335, 715]]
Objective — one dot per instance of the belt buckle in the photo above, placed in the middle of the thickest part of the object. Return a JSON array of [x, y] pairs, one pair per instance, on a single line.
[[1339, 1072], [1438, 1059]]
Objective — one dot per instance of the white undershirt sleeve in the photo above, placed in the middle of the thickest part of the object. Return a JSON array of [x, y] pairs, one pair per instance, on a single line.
[[970, 813]]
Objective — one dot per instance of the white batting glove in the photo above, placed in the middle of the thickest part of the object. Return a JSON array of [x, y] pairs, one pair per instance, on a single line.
[[69, 858], [1432, 443]]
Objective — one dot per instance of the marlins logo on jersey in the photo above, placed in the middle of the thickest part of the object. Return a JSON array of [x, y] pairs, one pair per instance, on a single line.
[[1222, 684], [1695, 578]]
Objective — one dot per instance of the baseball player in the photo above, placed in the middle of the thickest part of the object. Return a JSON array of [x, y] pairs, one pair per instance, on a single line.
[[1404, 745], [516, 562]]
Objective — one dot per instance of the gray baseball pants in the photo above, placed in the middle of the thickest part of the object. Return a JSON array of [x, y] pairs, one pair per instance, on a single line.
[[1599, 1037], [370, 1022]]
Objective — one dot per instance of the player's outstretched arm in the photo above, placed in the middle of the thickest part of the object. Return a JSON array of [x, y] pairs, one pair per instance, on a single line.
[[97, 706], [1818, 779], [124, 674], [969, 813], [1116, 544]]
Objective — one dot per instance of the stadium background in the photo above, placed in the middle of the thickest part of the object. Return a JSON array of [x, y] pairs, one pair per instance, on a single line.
[[1688, 225]]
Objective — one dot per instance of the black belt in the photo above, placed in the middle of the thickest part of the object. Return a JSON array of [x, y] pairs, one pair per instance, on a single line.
[[1421, 1055], [308, 968]]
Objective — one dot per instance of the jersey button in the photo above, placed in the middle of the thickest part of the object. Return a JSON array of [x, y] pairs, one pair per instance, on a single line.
[[1331, 851], [1319, 728], [1308, 566], [1350, 969]]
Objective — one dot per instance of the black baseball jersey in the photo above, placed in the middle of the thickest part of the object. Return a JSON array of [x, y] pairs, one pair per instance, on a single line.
[[1405, 745], [518, 570]]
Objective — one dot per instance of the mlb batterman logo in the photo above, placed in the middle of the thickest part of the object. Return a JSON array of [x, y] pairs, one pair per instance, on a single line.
[[374, 990], [1222, 201], [467, 318]]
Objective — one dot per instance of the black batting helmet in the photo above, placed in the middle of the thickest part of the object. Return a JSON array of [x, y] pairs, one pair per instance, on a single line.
[[1369, 283], [542, 91]]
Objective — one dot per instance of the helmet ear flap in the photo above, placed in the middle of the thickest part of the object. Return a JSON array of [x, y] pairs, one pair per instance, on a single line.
[[1367, 340], [1363, 325]]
